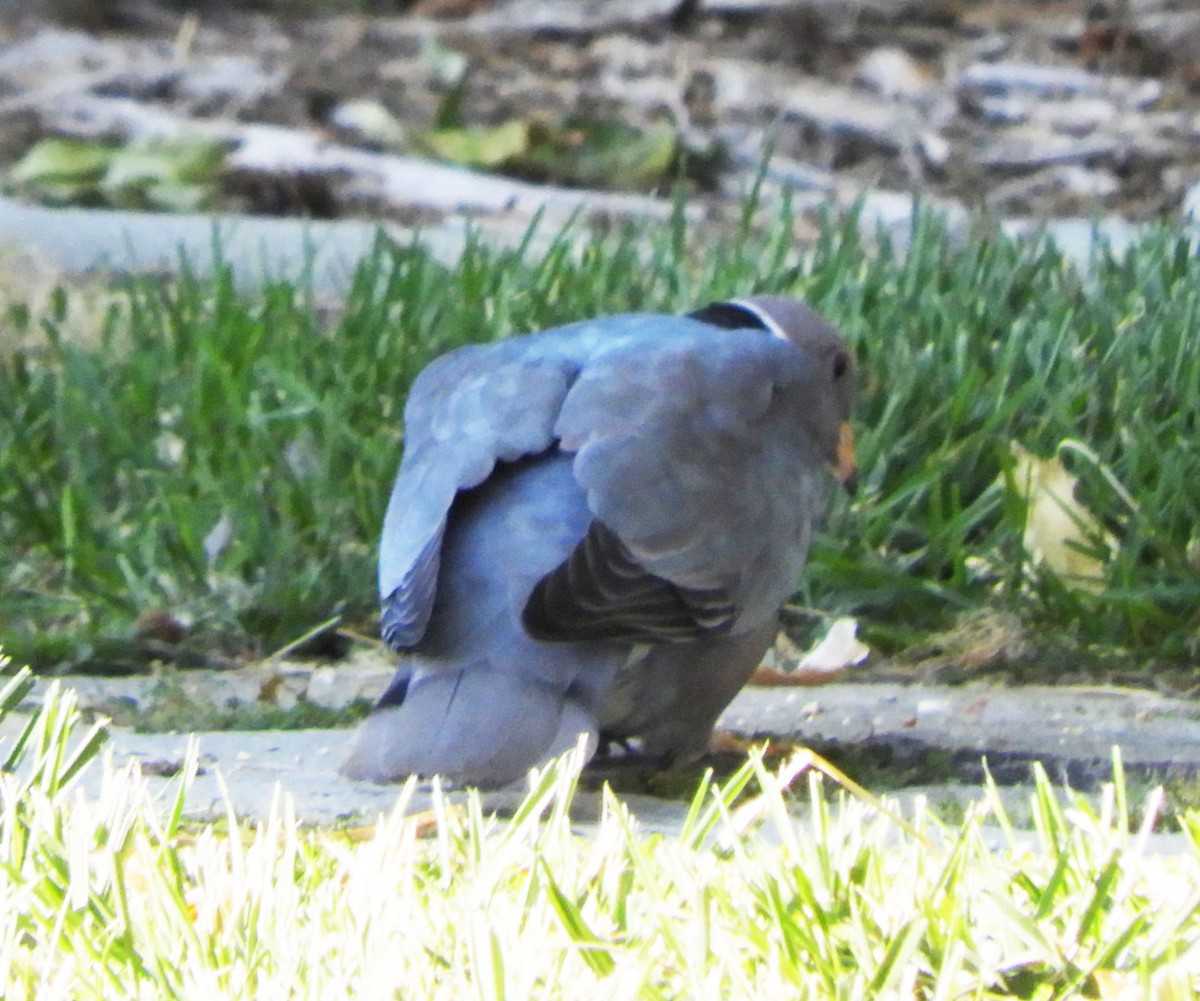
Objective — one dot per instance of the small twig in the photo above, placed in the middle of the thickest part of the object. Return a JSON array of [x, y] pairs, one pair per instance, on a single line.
[[356, 637], [299, 641]]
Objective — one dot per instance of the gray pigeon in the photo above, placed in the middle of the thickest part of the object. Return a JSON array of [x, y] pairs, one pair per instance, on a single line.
[[592, 533]]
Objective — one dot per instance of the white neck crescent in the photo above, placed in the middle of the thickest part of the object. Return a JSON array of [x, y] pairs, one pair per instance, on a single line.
[[764, 317]]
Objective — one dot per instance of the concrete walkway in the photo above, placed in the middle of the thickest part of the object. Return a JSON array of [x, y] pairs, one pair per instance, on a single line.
[[1071, 730], [258, 249]]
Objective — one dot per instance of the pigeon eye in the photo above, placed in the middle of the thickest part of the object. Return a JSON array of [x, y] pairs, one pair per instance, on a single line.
[[841, 365]]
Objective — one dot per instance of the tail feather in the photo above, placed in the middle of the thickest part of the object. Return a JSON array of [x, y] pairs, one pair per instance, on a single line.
[[473, 727]]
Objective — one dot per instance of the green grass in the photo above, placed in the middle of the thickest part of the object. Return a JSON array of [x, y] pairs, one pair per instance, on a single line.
[[194, 407], [773, 888]]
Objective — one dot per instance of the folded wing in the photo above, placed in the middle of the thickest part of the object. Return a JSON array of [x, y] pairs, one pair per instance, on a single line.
[[703, 486], [466, 411]]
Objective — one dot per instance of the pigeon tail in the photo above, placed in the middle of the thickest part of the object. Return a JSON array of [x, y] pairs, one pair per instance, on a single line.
[[473, 726]]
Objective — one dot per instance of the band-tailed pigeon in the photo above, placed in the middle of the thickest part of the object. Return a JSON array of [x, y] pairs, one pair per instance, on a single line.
[[593, 530]]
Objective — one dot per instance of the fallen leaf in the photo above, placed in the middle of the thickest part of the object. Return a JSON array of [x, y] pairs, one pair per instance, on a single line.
[[600, 154], [837, 651], [1060, 533], [63, 171], [61, 159], [371, 122], [178, 174], [475, 147]]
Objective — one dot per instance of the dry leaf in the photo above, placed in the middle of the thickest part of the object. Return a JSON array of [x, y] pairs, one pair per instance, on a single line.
[[836, 652], [1059, 531], [839, 649]]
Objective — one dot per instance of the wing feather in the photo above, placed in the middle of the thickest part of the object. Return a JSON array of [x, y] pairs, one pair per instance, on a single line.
[[466, 411], [703, 485], [602, 593]]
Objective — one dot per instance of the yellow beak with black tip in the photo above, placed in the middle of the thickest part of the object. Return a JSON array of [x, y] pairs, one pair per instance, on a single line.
[[845, 470]]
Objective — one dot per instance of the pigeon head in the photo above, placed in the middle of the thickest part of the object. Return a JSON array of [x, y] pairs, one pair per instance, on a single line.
[[794, 321]]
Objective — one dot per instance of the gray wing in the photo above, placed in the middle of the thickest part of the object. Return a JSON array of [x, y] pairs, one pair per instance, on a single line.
[[466, 411], [601, 592], [703, 485]]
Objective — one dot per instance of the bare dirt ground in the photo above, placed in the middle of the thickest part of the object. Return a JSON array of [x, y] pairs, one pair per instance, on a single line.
[[1021, 108]]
